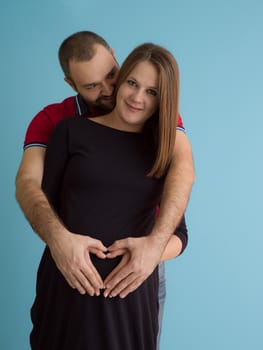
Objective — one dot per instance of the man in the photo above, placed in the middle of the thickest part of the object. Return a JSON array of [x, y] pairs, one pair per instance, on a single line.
[[91, 70]]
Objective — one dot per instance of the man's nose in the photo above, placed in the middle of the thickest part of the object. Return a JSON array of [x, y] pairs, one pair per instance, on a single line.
[[107, 89]]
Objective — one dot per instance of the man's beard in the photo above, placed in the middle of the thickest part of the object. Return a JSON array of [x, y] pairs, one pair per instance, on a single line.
[[104, 107]]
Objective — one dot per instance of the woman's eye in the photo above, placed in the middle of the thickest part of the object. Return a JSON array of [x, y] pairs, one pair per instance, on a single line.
[[152, 92], [131, 82]]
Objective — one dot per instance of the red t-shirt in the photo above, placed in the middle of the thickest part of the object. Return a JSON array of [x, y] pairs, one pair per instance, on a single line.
[[42, 125]]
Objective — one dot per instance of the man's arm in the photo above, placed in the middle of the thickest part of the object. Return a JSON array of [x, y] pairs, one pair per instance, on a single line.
[[171, 251], [177, 242], [68, 250], [176, 192], [146, 252]]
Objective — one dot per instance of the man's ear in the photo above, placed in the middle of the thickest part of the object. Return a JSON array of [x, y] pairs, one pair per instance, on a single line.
[[112, 52], [71, 83]]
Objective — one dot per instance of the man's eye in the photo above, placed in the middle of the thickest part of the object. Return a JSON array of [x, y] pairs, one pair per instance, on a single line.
[[111, 75], [91, 86]]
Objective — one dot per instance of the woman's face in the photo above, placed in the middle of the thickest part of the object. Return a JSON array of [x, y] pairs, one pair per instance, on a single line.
[[138, 97]]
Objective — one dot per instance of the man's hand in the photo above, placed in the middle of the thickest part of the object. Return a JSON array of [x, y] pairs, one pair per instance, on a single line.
[[140, 257], [71, 253]]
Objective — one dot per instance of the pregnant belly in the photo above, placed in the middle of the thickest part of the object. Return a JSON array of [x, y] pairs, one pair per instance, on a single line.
[[104, 266]]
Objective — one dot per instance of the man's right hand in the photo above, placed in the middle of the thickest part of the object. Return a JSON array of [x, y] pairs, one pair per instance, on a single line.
[[71, 253]]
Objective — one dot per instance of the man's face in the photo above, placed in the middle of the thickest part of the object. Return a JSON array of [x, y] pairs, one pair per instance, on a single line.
[[95, 80]]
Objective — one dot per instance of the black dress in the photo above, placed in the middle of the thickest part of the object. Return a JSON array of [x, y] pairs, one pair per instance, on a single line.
[[95, 178]]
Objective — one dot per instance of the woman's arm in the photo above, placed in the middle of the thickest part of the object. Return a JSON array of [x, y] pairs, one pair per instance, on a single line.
[[173, 248], [177, 243]]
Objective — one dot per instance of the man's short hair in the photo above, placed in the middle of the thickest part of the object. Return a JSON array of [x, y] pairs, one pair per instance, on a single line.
[[80, 47]]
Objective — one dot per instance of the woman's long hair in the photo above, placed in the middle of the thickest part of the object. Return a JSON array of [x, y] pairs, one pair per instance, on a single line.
[[162, 125]]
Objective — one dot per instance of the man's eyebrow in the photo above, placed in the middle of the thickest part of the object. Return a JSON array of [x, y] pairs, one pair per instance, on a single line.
[[113, 70], [90, 84]]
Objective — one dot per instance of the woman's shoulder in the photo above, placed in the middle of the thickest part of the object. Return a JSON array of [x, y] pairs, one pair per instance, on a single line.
[[72, 122]]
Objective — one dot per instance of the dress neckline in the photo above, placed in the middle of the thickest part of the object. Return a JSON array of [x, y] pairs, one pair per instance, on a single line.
[[94, 122]]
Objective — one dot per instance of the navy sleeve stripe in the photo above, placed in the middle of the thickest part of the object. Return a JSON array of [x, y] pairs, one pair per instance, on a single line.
[[179, 128], [35, 144]]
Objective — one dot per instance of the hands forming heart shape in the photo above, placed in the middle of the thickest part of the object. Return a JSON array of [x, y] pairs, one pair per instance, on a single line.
[[140, 256]]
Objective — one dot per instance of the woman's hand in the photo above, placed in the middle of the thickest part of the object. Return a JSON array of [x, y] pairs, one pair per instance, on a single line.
[[141, 255]]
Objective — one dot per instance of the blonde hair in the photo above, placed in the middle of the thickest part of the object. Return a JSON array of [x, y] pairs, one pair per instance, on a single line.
[[163, 123]]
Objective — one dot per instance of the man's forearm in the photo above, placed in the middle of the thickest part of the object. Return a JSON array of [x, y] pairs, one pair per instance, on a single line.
[[38, 211], [144, 253], [32, 199], [176, 192], [69, 250]]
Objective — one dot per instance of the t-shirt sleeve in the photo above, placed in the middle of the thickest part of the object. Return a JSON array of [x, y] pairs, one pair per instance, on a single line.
[[182, 233], [180, 124], [39, 130], [43, 124], [56, 158], [181, 230]]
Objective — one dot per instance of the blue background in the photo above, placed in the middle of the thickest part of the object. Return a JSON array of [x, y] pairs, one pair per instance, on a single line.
[[215, 289]]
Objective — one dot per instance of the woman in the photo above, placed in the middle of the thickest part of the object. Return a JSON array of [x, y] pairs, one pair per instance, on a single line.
[[104, 178]]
